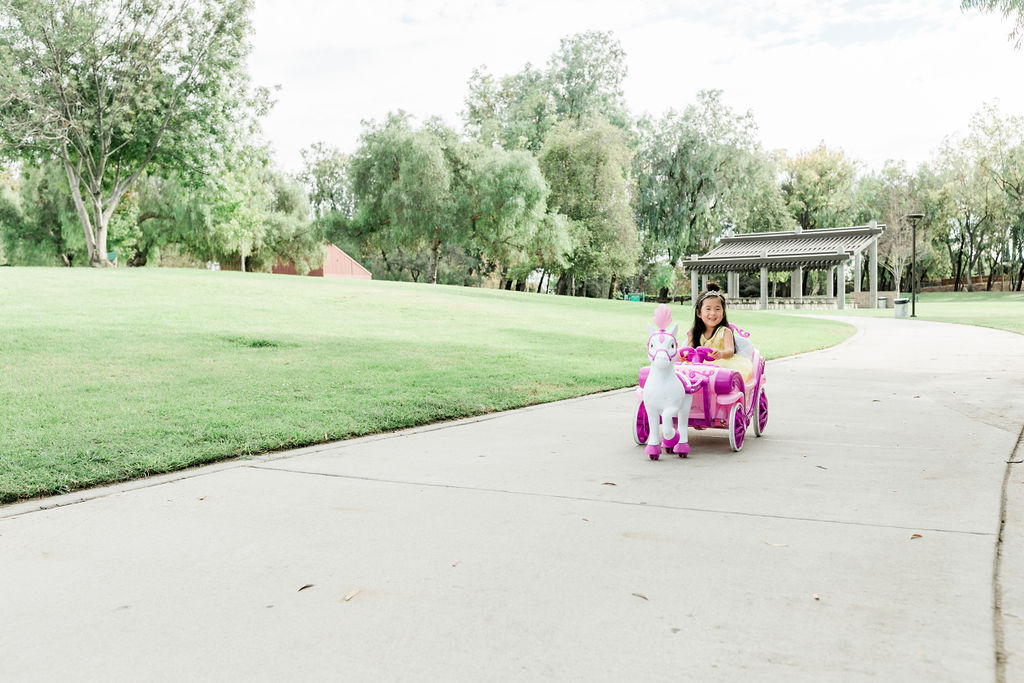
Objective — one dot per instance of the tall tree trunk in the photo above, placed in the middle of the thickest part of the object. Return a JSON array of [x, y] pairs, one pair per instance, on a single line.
[[611, 287], [540, 283], [98, 259], [435, 254], [958, 270], [562, 288]]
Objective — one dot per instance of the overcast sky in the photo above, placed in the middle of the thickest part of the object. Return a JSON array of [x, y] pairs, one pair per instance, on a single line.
[[878, 79]]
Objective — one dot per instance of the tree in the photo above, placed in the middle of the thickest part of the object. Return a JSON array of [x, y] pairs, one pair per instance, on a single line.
[[889, 196], [586, 166], [325, 174], [970, 196], [702, 172], [586, 75], [402, 188], [509, 202], [1000, 146], [1006, 8], [109, 88], [817, 187], [515, 113], [290, 234], [38, 225], [582, 79]]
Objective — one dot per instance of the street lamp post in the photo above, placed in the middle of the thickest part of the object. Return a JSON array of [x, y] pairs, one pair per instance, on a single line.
[[913, 218]]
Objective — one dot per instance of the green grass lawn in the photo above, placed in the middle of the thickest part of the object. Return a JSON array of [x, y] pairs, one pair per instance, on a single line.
[[999, 310], [114, 374]]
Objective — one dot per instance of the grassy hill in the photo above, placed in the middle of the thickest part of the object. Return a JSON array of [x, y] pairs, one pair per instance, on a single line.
[[114, 374]]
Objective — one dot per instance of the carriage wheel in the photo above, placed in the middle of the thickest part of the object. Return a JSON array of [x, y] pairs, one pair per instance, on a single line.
[[639, 426], [760, 412], [737, 426]]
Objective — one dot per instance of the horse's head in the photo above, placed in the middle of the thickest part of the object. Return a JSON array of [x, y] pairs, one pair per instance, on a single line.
[[662, 346]]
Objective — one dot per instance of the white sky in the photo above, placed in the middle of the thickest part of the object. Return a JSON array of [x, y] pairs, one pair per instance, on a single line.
[[879, 79]]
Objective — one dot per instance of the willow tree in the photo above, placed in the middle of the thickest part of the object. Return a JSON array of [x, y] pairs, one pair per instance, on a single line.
[[401, 185], [108, 88], [586, 166]]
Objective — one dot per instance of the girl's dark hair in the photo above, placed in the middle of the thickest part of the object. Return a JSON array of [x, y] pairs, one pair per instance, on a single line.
[[698, 324]]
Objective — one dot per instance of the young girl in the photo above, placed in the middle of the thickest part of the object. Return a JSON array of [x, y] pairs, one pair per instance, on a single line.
[[711, 329]]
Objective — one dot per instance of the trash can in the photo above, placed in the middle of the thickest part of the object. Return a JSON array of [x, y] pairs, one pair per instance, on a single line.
[[902, 307], [883, 302]]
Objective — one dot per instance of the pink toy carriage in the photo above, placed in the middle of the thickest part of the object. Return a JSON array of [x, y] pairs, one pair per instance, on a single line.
[[719, 397]]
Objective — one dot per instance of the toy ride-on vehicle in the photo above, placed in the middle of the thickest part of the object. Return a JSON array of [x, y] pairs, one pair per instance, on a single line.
[[718, 397]]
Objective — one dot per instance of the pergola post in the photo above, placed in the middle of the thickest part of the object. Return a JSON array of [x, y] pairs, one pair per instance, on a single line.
[[703, 283], [858, 259], [797, 286], [731, 280], [694, 286], [873, 274], [830, 289], [840, 286], [764, 288]]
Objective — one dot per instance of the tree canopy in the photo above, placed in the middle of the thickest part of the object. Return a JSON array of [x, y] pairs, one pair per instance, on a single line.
[[109, 88], [129, 127]]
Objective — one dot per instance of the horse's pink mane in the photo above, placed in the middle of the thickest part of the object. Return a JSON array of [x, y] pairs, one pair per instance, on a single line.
[[662, 317]]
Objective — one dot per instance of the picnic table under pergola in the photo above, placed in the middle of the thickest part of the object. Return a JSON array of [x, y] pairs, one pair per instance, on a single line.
[[831, 250]]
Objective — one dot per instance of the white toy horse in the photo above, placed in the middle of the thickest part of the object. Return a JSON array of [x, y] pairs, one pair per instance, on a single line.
[[664, 394]]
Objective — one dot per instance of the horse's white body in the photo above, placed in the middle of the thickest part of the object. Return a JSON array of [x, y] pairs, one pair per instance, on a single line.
[[664, 394]]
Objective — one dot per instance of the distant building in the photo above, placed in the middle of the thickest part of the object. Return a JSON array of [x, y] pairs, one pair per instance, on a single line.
[[337, 264]]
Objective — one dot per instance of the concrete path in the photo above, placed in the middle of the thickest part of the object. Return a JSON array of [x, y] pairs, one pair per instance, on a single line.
[[858, 539]]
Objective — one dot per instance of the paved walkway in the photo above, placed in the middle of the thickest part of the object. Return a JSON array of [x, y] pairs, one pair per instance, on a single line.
[[858, 539]]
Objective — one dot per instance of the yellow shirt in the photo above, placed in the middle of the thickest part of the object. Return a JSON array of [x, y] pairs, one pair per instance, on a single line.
[[734, 362]]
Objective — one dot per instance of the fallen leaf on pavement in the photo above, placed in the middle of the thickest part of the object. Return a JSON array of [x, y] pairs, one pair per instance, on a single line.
[[351, 594], [915, 536], [816, 596], [641, 596], [608, 483], [308, 585]]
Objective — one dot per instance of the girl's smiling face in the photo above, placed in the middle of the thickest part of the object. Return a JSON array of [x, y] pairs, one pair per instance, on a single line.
[[711, 312]]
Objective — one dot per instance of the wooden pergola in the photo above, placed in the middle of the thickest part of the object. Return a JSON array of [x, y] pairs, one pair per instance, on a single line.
[[793, 251]]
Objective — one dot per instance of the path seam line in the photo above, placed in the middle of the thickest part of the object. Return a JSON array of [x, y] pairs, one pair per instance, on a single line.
[[582, 499]]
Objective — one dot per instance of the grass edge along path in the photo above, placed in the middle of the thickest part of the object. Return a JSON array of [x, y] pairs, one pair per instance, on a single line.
[[994, 310], [111, 375]]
